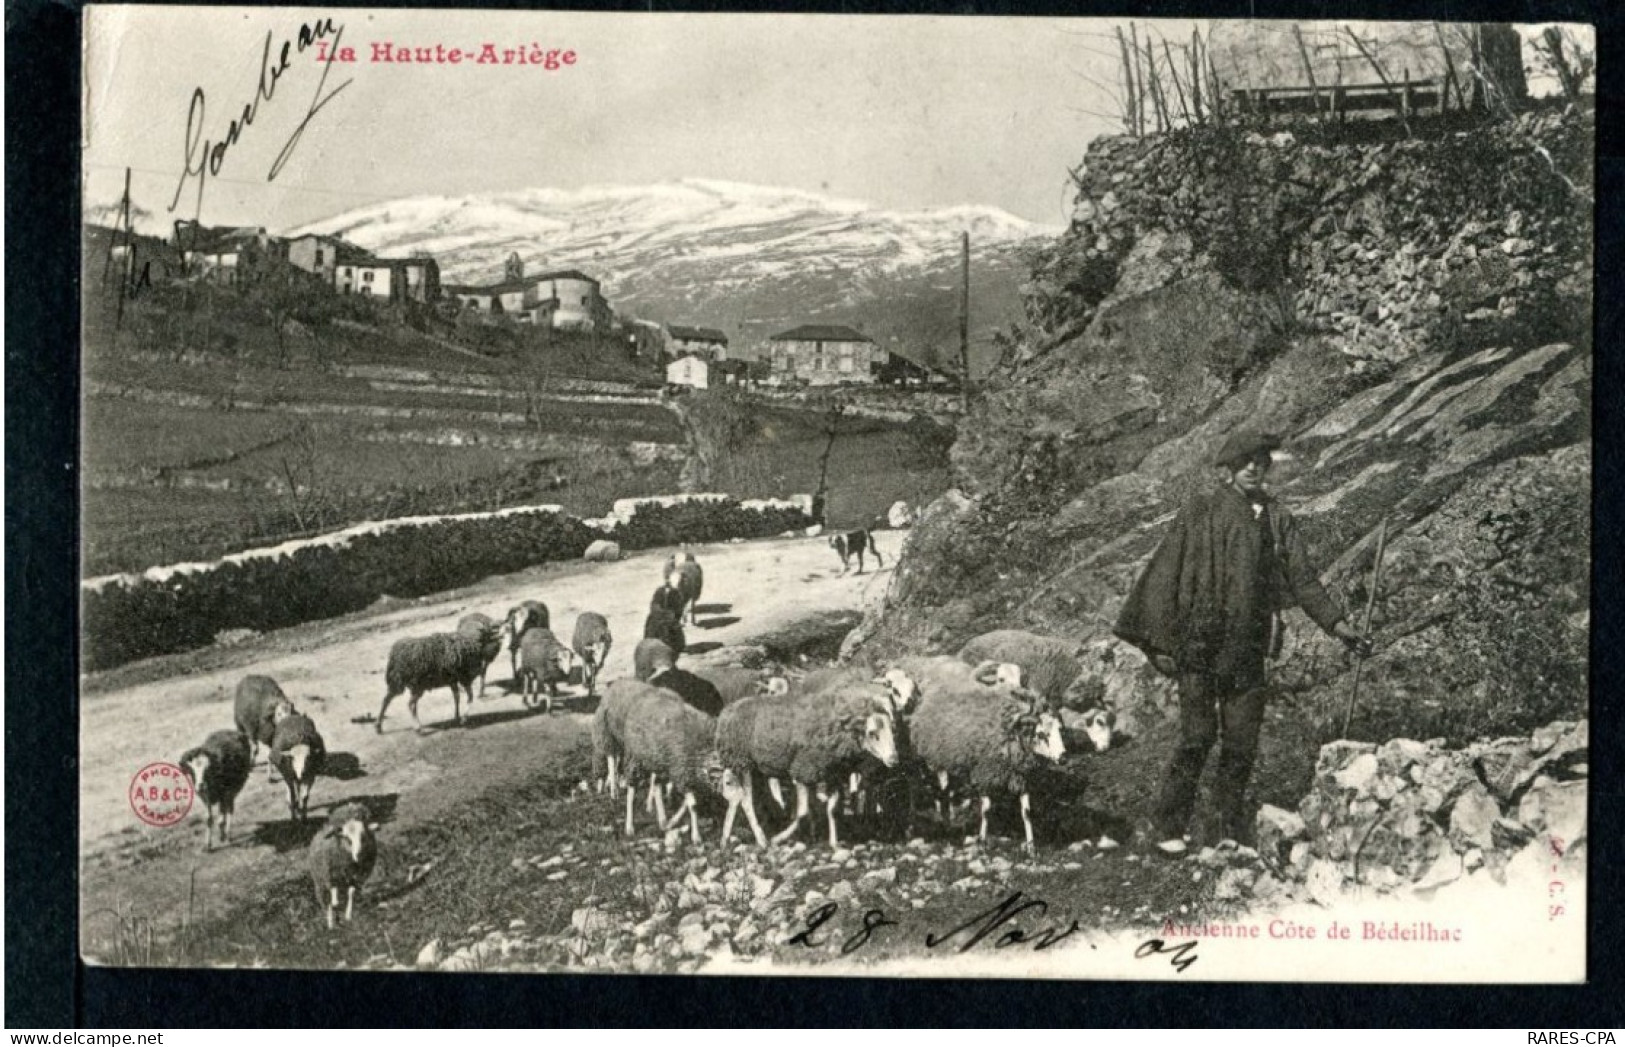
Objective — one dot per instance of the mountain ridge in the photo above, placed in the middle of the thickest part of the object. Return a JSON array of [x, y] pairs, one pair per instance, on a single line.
[[747, 258]]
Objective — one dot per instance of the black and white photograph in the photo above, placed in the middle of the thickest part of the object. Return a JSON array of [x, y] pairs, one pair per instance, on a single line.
[[882, 496]]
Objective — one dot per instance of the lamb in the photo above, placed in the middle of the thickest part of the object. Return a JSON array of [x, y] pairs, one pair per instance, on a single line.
[[591, 644], [424, 663], [218, 769], [298, 753], [688, 579], [482, 628], [259, 704], [675, 745], [342, 856], [649, 656], [543, 662], [813, 739], [528, 615], [962, 736], [664, 625]]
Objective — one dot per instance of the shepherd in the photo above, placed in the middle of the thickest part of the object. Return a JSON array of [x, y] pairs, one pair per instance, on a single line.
[[1206, 612]]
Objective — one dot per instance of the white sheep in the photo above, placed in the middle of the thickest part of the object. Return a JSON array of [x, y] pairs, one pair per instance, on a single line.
[[1049, 665], [986, 745], [341, 856], [675, 745], [544, 663], [424, 663], [591, 643], [815, 740], [298, 752], [482, 628], [258, 705], [530, 614], [218, 770]]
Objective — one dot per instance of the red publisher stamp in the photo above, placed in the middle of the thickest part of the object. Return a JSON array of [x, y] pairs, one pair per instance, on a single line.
[[160, 794]]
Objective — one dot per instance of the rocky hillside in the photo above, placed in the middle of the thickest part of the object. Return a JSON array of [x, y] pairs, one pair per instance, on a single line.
[[1413, 314], [751, 260]]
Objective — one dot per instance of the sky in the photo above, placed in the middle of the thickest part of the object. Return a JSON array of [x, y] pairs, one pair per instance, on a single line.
[[905, 112], [902, 112]]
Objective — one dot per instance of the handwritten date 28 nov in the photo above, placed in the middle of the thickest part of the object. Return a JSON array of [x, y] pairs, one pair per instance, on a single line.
[[999, 925]]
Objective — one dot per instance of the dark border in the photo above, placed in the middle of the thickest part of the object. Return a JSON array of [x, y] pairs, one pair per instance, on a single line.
[[47, 987]]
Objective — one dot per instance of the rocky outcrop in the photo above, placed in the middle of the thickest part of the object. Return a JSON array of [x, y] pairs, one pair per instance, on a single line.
[[1413, 315], [1410, 816]]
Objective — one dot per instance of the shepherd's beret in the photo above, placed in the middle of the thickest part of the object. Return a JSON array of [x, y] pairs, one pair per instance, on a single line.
[[1245, 444]]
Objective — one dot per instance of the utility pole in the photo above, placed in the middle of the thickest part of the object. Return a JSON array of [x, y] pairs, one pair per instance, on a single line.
[[964, 318]]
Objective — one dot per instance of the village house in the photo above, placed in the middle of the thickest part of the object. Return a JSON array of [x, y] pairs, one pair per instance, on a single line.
[[692, 371], [221, 255], [563, 300], [822, 354], [730, 372], [579, 302], [322, 255], [393, 280], [696, 341]]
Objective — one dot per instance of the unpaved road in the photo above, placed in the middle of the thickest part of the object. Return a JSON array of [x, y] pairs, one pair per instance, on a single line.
[[752, 590]]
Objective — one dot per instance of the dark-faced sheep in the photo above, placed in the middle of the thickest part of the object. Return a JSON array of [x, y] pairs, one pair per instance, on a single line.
[[299, 753], [986, 745], [692, 688], [341, 857], [688, 578], [591, 644], [258, 706], [675, 745], [544, 663], [424, 663], [218, 770], [482, 628], [531, 614], [814, 740], [663, 625]]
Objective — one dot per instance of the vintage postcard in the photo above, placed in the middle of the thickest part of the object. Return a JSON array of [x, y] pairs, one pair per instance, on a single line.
[[757, 494]]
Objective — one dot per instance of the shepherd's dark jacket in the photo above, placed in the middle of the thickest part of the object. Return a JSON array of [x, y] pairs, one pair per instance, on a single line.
[[1209, 596]]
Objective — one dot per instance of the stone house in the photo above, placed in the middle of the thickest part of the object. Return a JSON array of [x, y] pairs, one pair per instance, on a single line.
[[692, 371], [696, 341], [822, 354]]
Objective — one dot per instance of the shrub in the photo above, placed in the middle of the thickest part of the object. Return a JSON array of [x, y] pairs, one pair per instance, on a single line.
[[140, 616]]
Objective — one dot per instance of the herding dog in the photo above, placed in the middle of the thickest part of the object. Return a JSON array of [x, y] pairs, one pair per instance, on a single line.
[[854, 543]]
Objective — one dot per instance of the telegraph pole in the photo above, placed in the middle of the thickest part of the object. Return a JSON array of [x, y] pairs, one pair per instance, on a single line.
[[964, 318]]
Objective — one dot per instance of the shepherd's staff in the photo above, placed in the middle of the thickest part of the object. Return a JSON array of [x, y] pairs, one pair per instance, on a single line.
[[1370, 607]]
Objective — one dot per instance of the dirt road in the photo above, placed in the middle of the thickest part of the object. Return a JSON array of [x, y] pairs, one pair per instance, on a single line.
[[334, 671]]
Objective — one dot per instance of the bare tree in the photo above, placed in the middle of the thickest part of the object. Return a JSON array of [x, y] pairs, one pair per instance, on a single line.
[[1559, 53], [300, 467], [833, 409]]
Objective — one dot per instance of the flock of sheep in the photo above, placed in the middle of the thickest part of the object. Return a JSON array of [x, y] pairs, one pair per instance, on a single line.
[[953, 728]]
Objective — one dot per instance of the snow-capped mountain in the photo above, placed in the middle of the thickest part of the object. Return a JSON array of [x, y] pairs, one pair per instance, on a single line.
[[751, 260]]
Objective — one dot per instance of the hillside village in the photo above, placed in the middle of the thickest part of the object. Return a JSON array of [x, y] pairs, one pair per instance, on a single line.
[[566, 300]]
